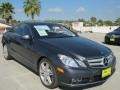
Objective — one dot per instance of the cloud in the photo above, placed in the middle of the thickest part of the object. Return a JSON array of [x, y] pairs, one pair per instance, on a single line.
[[80, 9], [55, 10]]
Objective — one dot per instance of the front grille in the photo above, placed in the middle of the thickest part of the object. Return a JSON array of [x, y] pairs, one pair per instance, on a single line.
[[96, 62], [101, 62]]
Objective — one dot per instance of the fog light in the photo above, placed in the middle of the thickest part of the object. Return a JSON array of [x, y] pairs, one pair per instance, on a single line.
[[76, 80]]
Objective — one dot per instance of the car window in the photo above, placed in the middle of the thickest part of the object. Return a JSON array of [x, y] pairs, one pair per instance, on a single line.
[[53, 31], [18, 31], [118, 29], [26, 30], [22, 30]]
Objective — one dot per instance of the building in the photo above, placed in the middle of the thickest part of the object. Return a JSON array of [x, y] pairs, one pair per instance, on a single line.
[[77, 25]]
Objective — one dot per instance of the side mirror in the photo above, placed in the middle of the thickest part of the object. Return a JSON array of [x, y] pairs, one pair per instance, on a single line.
[[26, 37]]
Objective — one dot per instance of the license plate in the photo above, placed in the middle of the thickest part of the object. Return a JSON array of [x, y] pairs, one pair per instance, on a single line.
[[106, 72], [112, 39]]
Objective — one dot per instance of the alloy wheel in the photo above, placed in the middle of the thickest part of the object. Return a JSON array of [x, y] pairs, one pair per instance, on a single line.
[[46, 73]]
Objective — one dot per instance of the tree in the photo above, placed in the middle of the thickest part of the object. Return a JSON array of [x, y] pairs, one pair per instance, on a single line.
[[87, 23], [32, 8], [15, 22], [100, 22], [6, 11], [81, 20], [117, 22], [108, 23], [93, 21]]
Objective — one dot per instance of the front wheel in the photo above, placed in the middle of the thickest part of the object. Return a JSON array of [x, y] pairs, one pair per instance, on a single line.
[[6, 53], [48, 74]]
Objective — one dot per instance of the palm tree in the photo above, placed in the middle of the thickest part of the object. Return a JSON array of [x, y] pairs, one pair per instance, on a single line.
[[32, 8], [6, 11]]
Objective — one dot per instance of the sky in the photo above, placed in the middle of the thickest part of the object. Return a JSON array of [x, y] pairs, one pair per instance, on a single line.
[[70, 9]]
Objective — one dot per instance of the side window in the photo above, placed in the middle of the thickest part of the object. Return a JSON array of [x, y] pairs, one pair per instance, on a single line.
[[18, 31], [26, 30], [10, 29], [22, 30]]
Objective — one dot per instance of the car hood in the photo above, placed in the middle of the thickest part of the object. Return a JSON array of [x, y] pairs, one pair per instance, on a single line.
[[78, 46], [114, 33]]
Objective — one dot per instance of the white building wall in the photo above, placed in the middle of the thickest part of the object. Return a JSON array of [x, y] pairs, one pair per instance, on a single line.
[[104, 29], [96, 29], [77, 25]]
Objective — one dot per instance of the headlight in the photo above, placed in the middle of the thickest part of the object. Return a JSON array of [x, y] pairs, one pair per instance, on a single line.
[[71, 62], [81, 63], [110, 57], [67, 61]]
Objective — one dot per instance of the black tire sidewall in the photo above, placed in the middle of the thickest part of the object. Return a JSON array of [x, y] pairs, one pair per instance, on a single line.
[[7, 57]]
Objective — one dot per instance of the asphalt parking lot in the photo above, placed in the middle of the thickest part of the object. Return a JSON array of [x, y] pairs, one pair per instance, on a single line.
[[14, 76]]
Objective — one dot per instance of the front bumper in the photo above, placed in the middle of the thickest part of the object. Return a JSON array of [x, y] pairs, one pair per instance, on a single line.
[[107, 40], [83, 77]]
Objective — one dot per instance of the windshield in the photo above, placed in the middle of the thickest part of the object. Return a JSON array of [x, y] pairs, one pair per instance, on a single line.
[[53, 31], [118, 29]]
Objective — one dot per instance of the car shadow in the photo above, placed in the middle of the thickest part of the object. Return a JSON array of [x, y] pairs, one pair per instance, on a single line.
[[112, 44], [26, 67], [80, 88]]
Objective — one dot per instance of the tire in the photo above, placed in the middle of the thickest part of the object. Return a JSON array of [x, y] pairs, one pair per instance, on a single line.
[[118, 42], [105, 41], [6, 54], [48, 74]]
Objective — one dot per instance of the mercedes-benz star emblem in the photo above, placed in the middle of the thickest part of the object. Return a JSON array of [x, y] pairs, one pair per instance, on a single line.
[[106, 61]]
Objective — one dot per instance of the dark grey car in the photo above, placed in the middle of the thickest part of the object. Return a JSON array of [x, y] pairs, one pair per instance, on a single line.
[[61, 57], [113, 37]]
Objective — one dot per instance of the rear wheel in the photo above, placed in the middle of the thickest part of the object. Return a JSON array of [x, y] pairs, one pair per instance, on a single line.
[[6, 53], [48, 74]]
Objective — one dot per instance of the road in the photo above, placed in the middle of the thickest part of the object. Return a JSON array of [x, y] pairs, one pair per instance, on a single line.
[[14, 76]]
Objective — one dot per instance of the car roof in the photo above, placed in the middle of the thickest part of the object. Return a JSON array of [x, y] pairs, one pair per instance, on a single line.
[[37, 23]]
